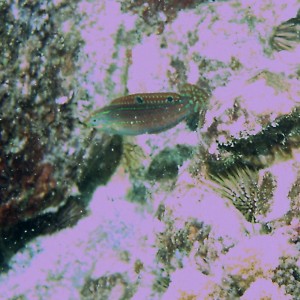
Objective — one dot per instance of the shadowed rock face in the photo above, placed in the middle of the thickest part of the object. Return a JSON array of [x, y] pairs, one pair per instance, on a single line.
[[41, 157], [32, 125]]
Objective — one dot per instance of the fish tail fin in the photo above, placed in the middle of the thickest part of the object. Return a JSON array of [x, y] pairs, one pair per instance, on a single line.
[[198, 95]]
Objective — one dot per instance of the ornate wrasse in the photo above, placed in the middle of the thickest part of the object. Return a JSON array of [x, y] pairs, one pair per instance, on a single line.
[[149, 112]]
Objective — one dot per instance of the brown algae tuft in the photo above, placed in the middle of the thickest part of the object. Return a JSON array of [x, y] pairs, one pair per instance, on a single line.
[[286, 36], [244, 189]]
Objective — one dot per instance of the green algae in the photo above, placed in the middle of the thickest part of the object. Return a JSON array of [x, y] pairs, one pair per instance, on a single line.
[[165, 165]]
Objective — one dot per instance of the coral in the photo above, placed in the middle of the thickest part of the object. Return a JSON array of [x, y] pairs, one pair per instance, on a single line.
[[287, 274], [242, 187], [294, 195], [170, 242], [174, 244], [295, 230], [115, 286], [150, 10]]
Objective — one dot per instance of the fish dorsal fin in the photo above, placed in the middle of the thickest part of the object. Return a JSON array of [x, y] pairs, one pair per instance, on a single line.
[[147, 98]]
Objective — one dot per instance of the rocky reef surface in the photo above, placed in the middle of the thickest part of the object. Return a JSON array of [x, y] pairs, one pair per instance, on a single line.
[[207, 213]]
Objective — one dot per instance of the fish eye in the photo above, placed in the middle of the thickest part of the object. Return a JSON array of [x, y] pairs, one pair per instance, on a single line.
[[139, 99], [169, 99]]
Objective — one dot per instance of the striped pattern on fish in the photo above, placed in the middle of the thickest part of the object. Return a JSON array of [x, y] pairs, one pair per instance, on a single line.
[[148, 112]]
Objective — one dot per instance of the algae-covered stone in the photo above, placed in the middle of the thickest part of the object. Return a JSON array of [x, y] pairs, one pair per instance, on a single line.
[[42, 142]]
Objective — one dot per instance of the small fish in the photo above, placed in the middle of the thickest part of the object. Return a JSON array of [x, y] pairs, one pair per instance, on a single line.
[[149, 112]]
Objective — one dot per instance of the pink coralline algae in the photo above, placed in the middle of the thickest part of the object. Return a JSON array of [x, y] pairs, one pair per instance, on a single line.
[[205, 214]]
